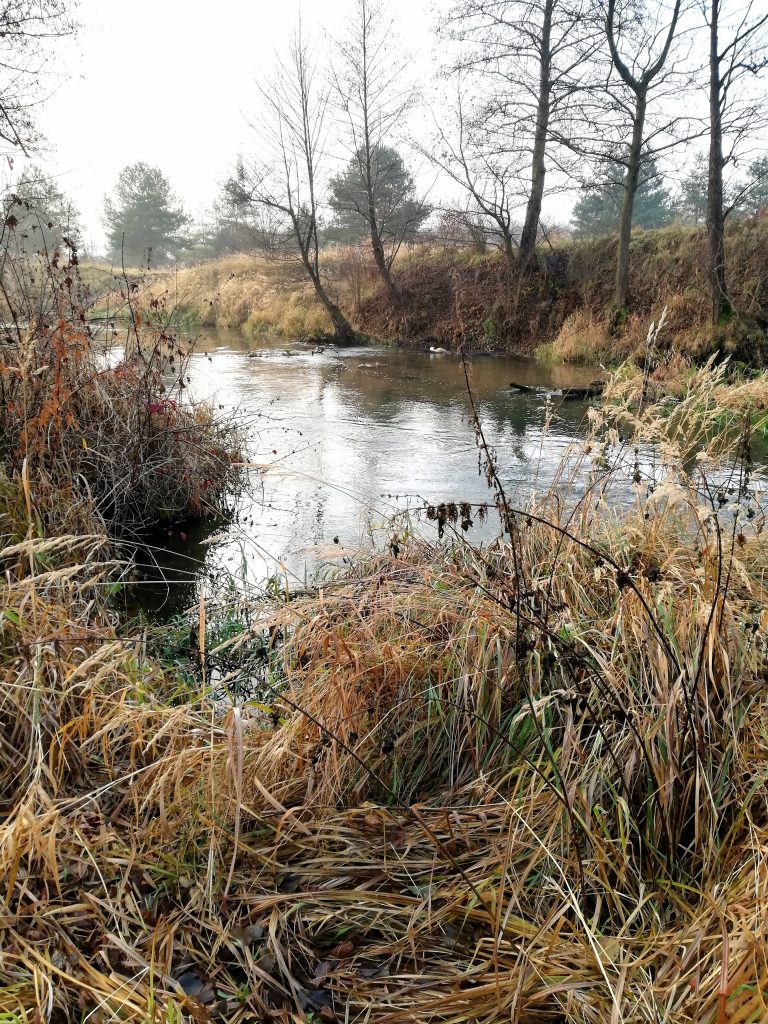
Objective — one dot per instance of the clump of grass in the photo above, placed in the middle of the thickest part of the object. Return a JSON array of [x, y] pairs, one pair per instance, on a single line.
[[583, 338], [101, 434], [122, 439], [706, 409]]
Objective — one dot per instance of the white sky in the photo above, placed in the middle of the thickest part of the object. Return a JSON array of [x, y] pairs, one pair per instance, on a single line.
[[172, 82]]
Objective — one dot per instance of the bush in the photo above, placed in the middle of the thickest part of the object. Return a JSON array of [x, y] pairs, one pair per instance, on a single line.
[[121, 438]]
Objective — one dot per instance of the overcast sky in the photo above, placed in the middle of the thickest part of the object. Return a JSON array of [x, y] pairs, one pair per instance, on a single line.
[[171, 82]]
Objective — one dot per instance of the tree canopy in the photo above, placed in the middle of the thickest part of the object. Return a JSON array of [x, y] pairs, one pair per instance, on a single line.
[[398, 212], [144, 219], [44, 215], [598, 210]]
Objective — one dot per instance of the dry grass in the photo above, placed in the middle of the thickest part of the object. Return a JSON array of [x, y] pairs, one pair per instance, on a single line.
[[262, 296], [107, 438], [455, 296], [525, 783], [122, 440]]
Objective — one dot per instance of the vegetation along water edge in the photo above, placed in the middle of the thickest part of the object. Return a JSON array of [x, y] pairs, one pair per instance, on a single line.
[[452, 783], [563, 309]]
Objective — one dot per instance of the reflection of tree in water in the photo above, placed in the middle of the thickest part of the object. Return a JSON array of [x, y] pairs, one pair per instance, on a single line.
[[168, 565], [507, 413], [384, 383], [525, 415], [350, 433]]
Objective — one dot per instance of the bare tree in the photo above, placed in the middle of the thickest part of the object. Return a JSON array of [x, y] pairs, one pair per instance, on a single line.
[[286, 187], [734, 117], [493, 182], [26, 29], [537, 58], [649, 43], [374, 98]]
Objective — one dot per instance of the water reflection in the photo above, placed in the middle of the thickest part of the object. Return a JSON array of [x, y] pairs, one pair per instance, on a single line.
[[338, 440]]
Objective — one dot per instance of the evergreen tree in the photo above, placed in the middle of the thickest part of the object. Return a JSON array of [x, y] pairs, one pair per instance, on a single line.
[[598, 211], [744, 197], [144, 220], [754, 191], [236, 226], [44, 216], [692, 198], [691, 201], [398, 213]]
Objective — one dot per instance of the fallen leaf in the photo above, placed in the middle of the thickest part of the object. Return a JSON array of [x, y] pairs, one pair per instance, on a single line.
[[322, 969]]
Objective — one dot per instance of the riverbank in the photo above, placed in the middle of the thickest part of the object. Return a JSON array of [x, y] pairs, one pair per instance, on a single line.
[[565, 312], [453, 784], [452, 298], [258, 296]]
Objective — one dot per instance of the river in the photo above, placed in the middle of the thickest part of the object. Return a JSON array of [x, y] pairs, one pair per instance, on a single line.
[[339, 441]]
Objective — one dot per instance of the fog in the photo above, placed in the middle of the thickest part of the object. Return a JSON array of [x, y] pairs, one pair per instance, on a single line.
[[171, 83]]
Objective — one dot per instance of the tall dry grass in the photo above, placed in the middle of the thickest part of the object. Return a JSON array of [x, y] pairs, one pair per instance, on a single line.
[[114, 431], [262, 296], [519, 783]]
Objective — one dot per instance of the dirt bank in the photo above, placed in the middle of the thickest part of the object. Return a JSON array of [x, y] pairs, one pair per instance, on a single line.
[[563, 311]]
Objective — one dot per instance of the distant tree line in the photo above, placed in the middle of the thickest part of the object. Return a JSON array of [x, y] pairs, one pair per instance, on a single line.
[[146, 224], [598, 209]]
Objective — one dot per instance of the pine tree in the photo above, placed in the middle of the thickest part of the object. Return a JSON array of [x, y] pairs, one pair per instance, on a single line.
[[692, 198], [754, 191], [144, 220], [397, 211], [598, 211]]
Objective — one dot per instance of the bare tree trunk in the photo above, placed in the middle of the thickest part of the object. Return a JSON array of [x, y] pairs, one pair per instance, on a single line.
[[379, 256], [369, 147], [343, 332], [538, 166], [631, 180], [509, 250], [721, 305], [639, 85], [374, 104], [295, 113]]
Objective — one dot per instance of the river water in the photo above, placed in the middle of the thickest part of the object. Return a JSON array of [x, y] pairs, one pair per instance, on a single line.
[[340, 440]]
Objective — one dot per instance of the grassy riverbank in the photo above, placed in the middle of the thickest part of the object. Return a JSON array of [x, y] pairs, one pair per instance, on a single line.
[[523, 783], [452, 297], [260, 296], [566, 311]]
